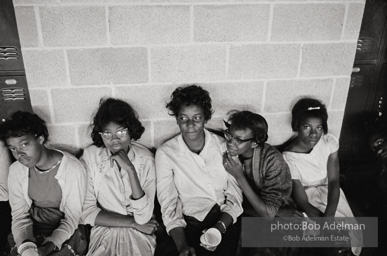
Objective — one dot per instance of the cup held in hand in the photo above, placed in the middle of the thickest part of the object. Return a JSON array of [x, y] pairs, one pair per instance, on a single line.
[[211, 237]]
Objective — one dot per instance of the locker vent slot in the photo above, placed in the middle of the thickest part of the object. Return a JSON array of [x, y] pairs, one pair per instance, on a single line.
[[13, 94], [8, 53]]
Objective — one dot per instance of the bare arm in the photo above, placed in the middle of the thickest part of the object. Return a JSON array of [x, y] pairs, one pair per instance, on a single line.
[[235, 168], [180, 240], [123, 162], [301, 199], [110, 219], [226, 219], [333, 184], [255, 200]]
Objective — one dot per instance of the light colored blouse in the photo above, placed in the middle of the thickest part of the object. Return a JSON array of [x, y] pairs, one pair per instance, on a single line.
[[191, 184], [71, 177], [109, 189], [5, 162], [311, 169]]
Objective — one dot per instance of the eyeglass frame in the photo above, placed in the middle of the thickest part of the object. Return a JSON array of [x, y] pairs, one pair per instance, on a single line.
[[109, 135], [237, 140]]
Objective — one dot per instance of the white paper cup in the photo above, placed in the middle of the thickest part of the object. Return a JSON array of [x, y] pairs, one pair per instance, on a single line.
[[211, 237], [31, 251]]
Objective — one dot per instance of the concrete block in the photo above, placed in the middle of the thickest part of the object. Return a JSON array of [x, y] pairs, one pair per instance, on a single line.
[[340, 93], [336, 0], [156, 95], [327, 59], [45, 68], [108, 66], [189, 1], [240, 96], [40, 104], [73, 25], [26, 26], [263, 61], [181, 64], [280, 129], [306, 22], [32, 2], [84, 135], [146, 138], [281, 95], [63, 138], [164, 130], [266, 1], [216, 124], [149, 24], [353, 22], [335, 121], [77, 104], [231, 23], [105, 1]]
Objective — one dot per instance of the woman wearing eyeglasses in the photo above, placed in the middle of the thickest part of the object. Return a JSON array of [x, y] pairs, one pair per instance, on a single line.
[[121, 184], [260, 171], [252, 161], [194, 190]]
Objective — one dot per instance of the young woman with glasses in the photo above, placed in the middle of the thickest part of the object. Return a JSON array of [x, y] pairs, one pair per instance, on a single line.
[[252, 161], [260, 171], [121, 184]]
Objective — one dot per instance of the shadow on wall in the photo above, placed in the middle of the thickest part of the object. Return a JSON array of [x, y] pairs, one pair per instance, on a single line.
[[68, 148]]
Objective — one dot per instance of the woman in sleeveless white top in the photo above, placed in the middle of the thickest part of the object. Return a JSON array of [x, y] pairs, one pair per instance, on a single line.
[[314, 165]]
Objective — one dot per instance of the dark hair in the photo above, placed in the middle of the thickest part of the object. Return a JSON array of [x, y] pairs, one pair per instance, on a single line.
[[190, 95], [23, 123], [248, 120], [309, 107], [115, 111]]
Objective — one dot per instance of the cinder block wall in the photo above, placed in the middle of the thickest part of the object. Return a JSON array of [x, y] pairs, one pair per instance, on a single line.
[[259, 55]]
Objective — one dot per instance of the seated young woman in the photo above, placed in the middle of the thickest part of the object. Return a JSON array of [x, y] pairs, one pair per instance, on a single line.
[[314, 165], [252, 161], [46, 190], [194, 190], [377, 141], [121, 184]]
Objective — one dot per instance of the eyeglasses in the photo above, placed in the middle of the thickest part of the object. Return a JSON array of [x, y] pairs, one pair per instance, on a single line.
[[185, 119], [228, 136], [120, 134]]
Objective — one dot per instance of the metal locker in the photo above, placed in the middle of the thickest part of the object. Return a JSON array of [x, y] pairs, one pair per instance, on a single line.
[[14, 94]]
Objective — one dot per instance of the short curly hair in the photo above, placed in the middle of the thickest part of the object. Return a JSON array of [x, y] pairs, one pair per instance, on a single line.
[[306, 108], [243, 120], [119, 112], [22, 123], [190, 95]]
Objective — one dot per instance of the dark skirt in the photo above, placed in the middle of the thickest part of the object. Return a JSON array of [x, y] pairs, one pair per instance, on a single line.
[[193, 231], [46, 220]]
